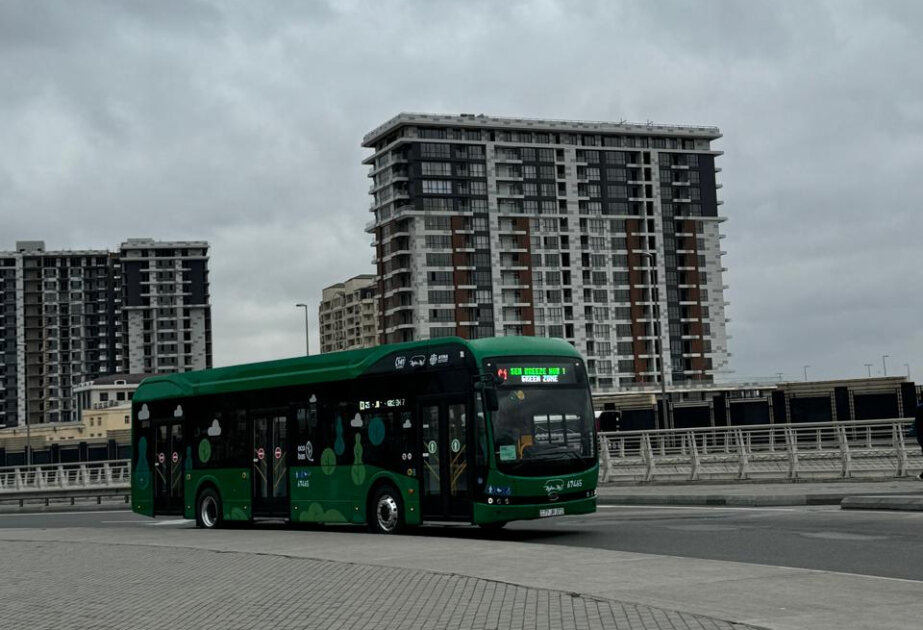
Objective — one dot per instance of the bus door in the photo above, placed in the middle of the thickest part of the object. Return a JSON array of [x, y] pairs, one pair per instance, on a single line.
[[168, 468], [270, 454], [446, 468]]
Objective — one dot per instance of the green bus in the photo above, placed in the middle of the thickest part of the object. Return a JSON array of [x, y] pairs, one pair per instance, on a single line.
[[479, 431]]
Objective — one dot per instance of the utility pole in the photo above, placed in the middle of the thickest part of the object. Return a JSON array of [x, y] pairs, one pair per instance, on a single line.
[[884, 364], [806, 372], [869, 368]]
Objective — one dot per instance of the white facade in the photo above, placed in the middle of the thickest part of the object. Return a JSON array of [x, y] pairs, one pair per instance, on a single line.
[[604, 234], [348, 315]]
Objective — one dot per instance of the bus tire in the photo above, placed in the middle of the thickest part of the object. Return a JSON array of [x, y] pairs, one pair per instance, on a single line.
[[386, 511], [208, 509]]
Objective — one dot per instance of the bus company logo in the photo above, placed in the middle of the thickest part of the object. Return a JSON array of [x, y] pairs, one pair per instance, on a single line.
[[433, 359], [417, 361], [553, 488], [399, 363]]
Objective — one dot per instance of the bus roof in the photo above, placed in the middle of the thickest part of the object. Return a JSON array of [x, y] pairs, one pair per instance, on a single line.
[[330, 367]]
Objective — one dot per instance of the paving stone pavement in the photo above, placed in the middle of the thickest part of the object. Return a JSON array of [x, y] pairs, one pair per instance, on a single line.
[[60, 585]]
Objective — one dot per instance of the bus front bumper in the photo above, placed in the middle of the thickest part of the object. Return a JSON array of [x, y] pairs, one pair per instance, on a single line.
[[484, 513]]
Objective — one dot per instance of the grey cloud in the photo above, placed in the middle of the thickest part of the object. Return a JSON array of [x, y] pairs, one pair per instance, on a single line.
[[240, 123]]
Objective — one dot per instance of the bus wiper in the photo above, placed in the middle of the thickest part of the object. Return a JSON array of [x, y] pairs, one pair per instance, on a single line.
[[557, 451]]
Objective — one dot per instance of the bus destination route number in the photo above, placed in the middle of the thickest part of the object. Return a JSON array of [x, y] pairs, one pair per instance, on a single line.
[[535, 374]]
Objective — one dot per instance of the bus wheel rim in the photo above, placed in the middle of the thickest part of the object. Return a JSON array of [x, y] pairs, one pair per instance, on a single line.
[[209, 512], [387, 513]]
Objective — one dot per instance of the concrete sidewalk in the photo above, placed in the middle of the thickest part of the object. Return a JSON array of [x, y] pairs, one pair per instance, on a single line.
[[897, 494], [155, 577]]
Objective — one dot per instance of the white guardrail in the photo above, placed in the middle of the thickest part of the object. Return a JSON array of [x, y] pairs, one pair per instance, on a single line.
[[822, 450], [52, 478]]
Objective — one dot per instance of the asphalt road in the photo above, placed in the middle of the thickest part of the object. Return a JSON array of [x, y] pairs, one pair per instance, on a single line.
[[885, 544]]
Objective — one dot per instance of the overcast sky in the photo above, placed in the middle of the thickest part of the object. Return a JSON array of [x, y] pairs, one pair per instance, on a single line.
[[240, 123]]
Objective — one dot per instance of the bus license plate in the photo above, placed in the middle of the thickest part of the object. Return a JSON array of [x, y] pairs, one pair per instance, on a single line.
[[558, 511]]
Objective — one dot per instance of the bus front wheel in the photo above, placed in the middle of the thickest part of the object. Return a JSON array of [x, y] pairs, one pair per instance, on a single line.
[[208, 509], [386, 511]]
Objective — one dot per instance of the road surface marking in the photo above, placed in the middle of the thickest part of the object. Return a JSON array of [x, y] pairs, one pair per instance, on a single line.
[[701, 507], [71, 513], [178, 521]]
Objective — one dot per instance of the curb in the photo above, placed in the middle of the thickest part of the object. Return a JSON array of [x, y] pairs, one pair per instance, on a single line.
[[106, 506], [883, 502], [743, 500]]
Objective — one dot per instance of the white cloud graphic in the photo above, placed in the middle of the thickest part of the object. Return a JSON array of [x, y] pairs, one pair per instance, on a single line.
[[145, 413], [178, 412], [215, 429], [356, 422]]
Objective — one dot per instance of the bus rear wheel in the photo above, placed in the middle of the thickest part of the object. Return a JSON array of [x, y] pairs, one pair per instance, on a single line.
[[386, 511], [208, 509]]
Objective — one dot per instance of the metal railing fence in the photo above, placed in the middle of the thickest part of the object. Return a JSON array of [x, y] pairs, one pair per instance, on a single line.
[[822, 450], [50, 478]]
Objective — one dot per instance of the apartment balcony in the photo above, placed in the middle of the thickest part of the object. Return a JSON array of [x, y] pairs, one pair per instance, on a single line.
[[404, 251], [510, 229], [399, 327], [393, 310]]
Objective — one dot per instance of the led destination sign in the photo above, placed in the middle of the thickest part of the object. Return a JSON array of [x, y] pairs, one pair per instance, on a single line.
[[526, 374]]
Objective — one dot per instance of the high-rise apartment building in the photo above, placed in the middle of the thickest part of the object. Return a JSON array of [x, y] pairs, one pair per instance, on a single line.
[[166, 312], [604, 234], [70, 316], [348, 315]]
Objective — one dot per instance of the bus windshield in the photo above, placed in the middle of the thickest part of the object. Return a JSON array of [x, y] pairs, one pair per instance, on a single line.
[[542, 426]]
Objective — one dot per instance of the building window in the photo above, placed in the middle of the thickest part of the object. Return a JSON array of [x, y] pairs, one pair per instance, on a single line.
[[437, 169], [437, 187], [435, 150]]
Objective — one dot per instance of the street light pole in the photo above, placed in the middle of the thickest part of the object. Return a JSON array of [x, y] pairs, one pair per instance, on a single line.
[[657, 339], [806, 372], [869, 368], [307, 342], [884, 364], [907, 365]]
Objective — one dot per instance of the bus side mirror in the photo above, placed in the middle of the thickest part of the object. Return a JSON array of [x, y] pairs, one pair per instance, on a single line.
[[490, 399]]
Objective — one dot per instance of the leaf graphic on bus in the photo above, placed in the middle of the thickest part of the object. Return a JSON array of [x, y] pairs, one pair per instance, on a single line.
[[328, 461], [142, 471], [358, 470], [339, 446], [376, 431]]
